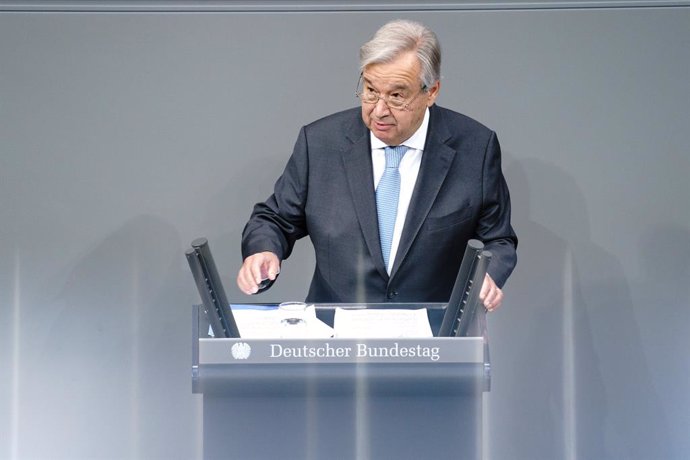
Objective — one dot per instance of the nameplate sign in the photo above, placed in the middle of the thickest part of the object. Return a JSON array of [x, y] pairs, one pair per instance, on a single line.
[[468, 350]]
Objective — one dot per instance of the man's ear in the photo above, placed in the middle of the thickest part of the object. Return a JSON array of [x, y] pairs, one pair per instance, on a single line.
[[432, 93]]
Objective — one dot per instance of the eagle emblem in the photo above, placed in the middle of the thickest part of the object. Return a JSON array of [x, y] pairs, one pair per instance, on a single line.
[[241, 350]]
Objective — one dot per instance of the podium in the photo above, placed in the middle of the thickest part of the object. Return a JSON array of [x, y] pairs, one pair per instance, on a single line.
[[341, 398]]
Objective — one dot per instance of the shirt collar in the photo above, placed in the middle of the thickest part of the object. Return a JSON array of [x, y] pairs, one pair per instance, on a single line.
[[416, 141]]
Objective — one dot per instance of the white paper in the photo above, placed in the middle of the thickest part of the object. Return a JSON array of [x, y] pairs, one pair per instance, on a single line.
[[381, 323], [265, 324]]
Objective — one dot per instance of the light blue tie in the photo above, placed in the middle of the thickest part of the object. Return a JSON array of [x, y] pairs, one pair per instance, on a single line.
[[387, 194]]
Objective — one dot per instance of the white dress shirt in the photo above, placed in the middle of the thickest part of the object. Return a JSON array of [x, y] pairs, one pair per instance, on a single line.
[[409, 169]]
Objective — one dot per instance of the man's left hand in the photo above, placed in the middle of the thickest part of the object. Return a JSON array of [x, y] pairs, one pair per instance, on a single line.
[[490, 295]]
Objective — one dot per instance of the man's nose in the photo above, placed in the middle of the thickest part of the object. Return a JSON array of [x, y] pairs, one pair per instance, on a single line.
[[381, 109]]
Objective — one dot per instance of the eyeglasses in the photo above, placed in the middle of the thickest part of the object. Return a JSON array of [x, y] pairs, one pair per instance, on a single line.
[[394, 101]]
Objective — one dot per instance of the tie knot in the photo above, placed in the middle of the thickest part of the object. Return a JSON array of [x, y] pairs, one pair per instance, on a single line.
[[394, 155]]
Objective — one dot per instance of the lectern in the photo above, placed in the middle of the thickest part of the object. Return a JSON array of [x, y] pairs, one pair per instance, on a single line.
[[341, 398], [337, 398]]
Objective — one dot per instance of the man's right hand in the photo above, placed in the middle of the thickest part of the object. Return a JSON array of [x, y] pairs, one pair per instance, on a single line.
[[255, 269]]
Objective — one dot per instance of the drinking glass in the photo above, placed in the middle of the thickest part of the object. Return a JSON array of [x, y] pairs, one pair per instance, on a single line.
[[293, 319]]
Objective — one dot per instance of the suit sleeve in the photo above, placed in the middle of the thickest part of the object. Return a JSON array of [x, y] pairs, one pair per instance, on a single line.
[[494, 228], [276, 224]]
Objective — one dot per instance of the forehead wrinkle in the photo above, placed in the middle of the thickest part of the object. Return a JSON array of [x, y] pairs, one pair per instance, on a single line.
[[390, 87]]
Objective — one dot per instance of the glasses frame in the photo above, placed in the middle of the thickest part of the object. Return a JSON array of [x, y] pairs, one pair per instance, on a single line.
[[359, 91]]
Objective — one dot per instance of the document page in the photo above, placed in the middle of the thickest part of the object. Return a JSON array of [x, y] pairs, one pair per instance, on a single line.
[[381, 323]]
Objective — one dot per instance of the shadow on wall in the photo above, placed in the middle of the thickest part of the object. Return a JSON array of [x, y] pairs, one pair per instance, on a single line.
[[570, 378], [663, 292], [112, 377]]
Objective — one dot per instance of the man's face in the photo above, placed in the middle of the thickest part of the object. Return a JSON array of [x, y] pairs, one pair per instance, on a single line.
[[399, 78]]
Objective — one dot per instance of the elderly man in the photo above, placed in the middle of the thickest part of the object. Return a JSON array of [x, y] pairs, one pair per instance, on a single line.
[[389, 193]]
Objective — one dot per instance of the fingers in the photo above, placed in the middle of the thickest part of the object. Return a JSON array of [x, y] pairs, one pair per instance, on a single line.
[[272, 268], [245, 280], [490, 295], [256, 268]]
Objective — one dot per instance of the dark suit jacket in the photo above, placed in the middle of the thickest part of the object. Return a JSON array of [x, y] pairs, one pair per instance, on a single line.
[[327, 192]]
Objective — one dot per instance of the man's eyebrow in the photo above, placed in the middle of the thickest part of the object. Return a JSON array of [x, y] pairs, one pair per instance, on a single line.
[[395, 87], [366, 80]]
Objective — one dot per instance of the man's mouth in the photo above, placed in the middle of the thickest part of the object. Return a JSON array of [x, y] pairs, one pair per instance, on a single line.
[[382, 126]]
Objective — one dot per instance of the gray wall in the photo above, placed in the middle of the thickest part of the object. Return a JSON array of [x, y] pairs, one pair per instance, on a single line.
[[125, 135]]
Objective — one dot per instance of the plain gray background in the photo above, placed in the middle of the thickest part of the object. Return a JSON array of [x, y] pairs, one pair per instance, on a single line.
[[125, 135]]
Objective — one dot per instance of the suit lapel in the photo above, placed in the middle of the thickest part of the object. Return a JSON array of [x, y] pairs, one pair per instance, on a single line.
[[360, 177], [436, 162]]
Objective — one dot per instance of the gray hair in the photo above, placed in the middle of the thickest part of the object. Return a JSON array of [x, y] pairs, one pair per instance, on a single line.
[[400, 36]]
